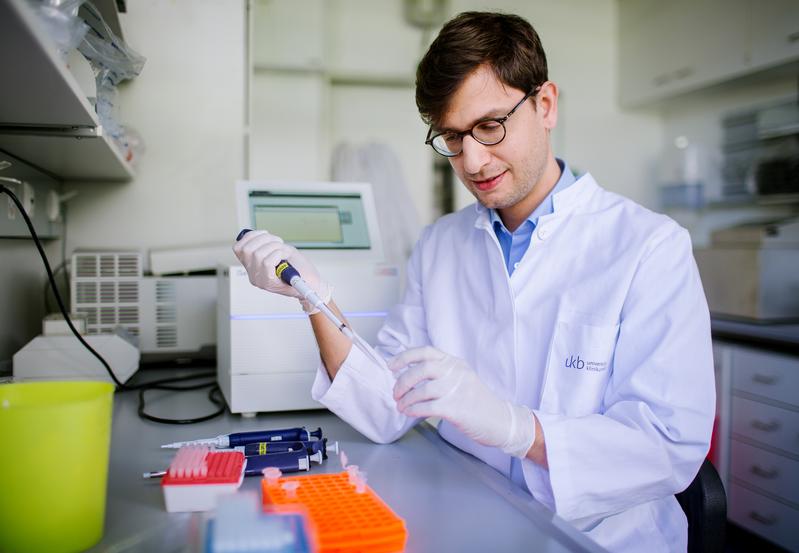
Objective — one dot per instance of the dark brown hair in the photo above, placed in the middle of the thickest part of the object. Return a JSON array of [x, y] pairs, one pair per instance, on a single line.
[[506, 43]]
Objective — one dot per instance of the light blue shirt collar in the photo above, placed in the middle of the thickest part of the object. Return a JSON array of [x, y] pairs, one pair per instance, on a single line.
[[515, 244], [546, 207]]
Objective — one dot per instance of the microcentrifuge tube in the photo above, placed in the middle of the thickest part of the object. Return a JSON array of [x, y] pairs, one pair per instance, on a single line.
[[291, 489], [352, 471], [271, 475], [360, 482]]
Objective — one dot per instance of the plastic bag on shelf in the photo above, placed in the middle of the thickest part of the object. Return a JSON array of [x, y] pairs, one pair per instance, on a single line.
[[113, 61], [131, 144], [78, 24], [62, 23]]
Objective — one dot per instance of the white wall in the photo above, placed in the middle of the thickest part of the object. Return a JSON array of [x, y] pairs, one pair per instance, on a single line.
[[21, 294], [188, 104], [287, 138]]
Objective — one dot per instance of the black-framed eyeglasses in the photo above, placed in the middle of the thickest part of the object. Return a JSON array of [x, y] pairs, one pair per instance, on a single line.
[[487, 132]]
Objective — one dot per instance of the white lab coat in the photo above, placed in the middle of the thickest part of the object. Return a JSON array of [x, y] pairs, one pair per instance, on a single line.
[[603, 330]]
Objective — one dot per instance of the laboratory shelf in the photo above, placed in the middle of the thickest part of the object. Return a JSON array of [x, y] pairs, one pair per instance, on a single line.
[[69, 157], [45, 118]]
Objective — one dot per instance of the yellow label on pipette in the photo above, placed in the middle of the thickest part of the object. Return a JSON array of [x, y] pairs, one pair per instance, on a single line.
[[282, 266]]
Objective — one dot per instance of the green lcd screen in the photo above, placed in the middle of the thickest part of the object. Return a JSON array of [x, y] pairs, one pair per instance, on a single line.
[[312, 220]]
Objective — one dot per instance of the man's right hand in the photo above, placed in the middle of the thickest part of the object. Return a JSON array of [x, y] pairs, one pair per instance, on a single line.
[[260, 252]]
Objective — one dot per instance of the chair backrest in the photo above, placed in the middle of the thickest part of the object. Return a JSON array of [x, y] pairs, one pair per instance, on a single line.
[[705, 505]]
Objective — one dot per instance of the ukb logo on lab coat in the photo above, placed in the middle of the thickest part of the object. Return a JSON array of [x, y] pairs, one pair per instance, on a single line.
[[573, 363], [579, 364], [578, 367]]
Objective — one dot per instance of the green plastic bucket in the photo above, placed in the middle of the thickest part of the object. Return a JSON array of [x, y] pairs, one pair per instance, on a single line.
[[54, 441]]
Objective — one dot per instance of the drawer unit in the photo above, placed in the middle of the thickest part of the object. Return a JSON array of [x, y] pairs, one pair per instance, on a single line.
[[771, 375], [771, 519], [768, 471], [767, 424], [758, 394]]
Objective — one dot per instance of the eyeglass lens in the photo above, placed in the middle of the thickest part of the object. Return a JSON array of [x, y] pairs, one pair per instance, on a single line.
[[487, 132]]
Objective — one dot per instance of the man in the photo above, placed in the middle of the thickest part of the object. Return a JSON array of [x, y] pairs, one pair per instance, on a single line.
[[558, 330]]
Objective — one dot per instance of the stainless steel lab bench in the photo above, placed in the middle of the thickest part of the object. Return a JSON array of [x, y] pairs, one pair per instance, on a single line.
[[449, 500]]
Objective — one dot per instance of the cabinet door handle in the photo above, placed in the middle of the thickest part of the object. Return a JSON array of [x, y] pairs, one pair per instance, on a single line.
[[771, 426], [768, 474], [767, 520], [764, 379]]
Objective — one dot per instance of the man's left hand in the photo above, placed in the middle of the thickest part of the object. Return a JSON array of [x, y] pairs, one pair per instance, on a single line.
[[435, 384]]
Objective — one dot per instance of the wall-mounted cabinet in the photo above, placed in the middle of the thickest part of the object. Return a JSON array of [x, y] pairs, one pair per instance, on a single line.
[[669, 48], [775, 32], [45, 118]]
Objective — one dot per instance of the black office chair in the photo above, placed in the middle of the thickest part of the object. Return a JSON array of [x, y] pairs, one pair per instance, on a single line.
[[705, 505]]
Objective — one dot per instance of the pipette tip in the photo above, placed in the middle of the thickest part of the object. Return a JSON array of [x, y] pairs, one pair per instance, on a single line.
[[209, 442]]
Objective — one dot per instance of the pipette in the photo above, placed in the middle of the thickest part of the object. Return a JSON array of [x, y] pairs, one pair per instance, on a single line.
[[288, 461], [265, 448], [288, 274], [243, 438]]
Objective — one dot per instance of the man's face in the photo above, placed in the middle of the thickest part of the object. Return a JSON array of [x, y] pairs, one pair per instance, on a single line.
[[504, 175]]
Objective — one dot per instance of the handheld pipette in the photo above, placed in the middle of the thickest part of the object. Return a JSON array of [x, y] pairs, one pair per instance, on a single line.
[[286, 461], [243, 438], [265, 448], [291, 276]]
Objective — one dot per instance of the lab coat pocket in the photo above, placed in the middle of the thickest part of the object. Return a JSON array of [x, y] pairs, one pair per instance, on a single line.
[[579, 366]]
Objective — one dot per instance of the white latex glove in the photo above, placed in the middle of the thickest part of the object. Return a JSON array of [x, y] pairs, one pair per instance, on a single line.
[[260, 252], [439, 385]]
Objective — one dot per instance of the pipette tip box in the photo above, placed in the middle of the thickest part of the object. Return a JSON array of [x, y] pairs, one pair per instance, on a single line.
[[344, 520], [197, 477], [241, 526]]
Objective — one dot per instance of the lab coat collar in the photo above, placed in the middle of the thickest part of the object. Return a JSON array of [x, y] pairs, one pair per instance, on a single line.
[[563, 202]]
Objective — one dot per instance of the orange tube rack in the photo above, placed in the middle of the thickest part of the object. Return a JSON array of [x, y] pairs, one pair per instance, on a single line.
[[345, 521]]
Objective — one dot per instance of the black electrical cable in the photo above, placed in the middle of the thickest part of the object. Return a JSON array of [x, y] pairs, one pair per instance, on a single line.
[[163, 384], [214, 396], [47, 287], [64, 212], [55, 288]]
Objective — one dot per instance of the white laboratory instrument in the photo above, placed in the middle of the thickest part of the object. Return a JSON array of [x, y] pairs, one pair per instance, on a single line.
[[170, 316], [266, 351], [63, 357]]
